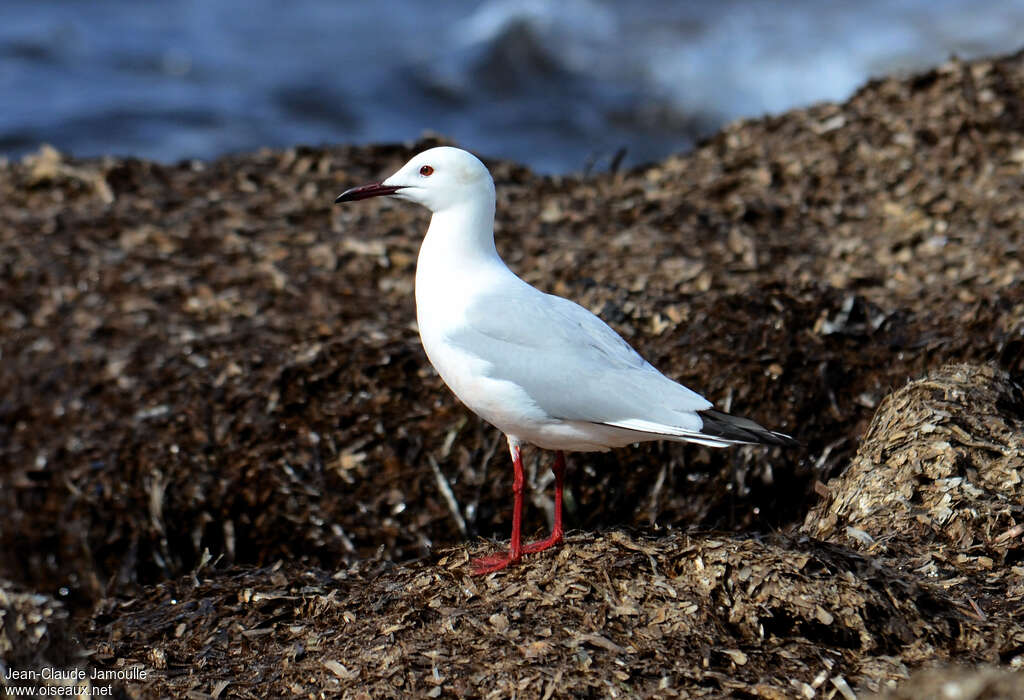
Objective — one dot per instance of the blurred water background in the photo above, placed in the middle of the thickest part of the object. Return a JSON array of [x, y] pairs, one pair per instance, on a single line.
[[555, 84]]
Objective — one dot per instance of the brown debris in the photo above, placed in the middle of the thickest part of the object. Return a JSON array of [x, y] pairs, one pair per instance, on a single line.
[[615, 615], [941, 463], [35, 634], [207, 367], [959, 683], [29, 624]]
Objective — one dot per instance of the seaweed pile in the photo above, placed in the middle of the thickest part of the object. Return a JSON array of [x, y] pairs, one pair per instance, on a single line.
[[225, 460]]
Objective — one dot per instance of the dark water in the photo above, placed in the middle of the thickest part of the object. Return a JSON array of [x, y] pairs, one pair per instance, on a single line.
[[555, 84]]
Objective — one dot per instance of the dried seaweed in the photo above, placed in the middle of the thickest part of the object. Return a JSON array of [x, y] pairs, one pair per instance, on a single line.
[[613, 615], [206, 368]]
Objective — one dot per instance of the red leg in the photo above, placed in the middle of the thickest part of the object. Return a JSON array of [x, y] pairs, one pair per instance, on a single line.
[[496, 562], [556, 532]]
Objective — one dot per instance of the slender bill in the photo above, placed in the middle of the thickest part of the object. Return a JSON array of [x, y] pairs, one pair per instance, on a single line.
[[374, 189]]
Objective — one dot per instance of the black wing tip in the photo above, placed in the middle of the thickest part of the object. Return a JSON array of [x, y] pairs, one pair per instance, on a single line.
[[739, 429]]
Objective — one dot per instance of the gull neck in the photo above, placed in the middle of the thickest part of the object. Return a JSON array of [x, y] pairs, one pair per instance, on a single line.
[[463, 232]]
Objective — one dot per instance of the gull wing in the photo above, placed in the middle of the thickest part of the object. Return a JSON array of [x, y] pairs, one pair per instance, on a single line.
[[575, 367]]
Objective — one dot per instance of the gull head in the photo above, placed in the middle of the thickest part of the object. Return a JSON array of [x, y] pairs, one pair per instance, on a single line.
[[439, 178]]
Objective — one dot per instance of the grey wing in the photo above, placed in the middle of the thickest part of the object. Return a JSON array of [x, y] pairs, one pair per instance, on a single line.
[[574, 366]]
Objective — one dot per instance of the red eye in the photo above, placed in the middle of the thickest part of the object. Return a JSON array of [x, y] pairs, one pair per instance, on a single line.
[[426, 170]]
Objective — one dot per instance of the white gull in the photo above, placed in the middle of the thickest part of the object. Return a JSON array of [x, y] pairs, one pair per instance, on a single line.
[[540, 368]]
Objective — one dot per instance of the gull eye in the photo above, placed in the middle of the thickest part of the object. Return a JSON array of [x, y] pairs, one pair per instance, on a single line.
[[426, 171]]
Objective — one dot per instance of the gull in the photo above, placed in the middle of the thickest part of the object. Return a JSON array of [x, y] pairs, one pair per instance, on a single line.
[[542, 369]]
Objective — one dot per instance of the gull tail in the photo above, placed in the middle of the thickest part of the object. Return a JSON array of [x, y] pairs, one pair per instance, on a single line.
[[717, 430], [733, 429]]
